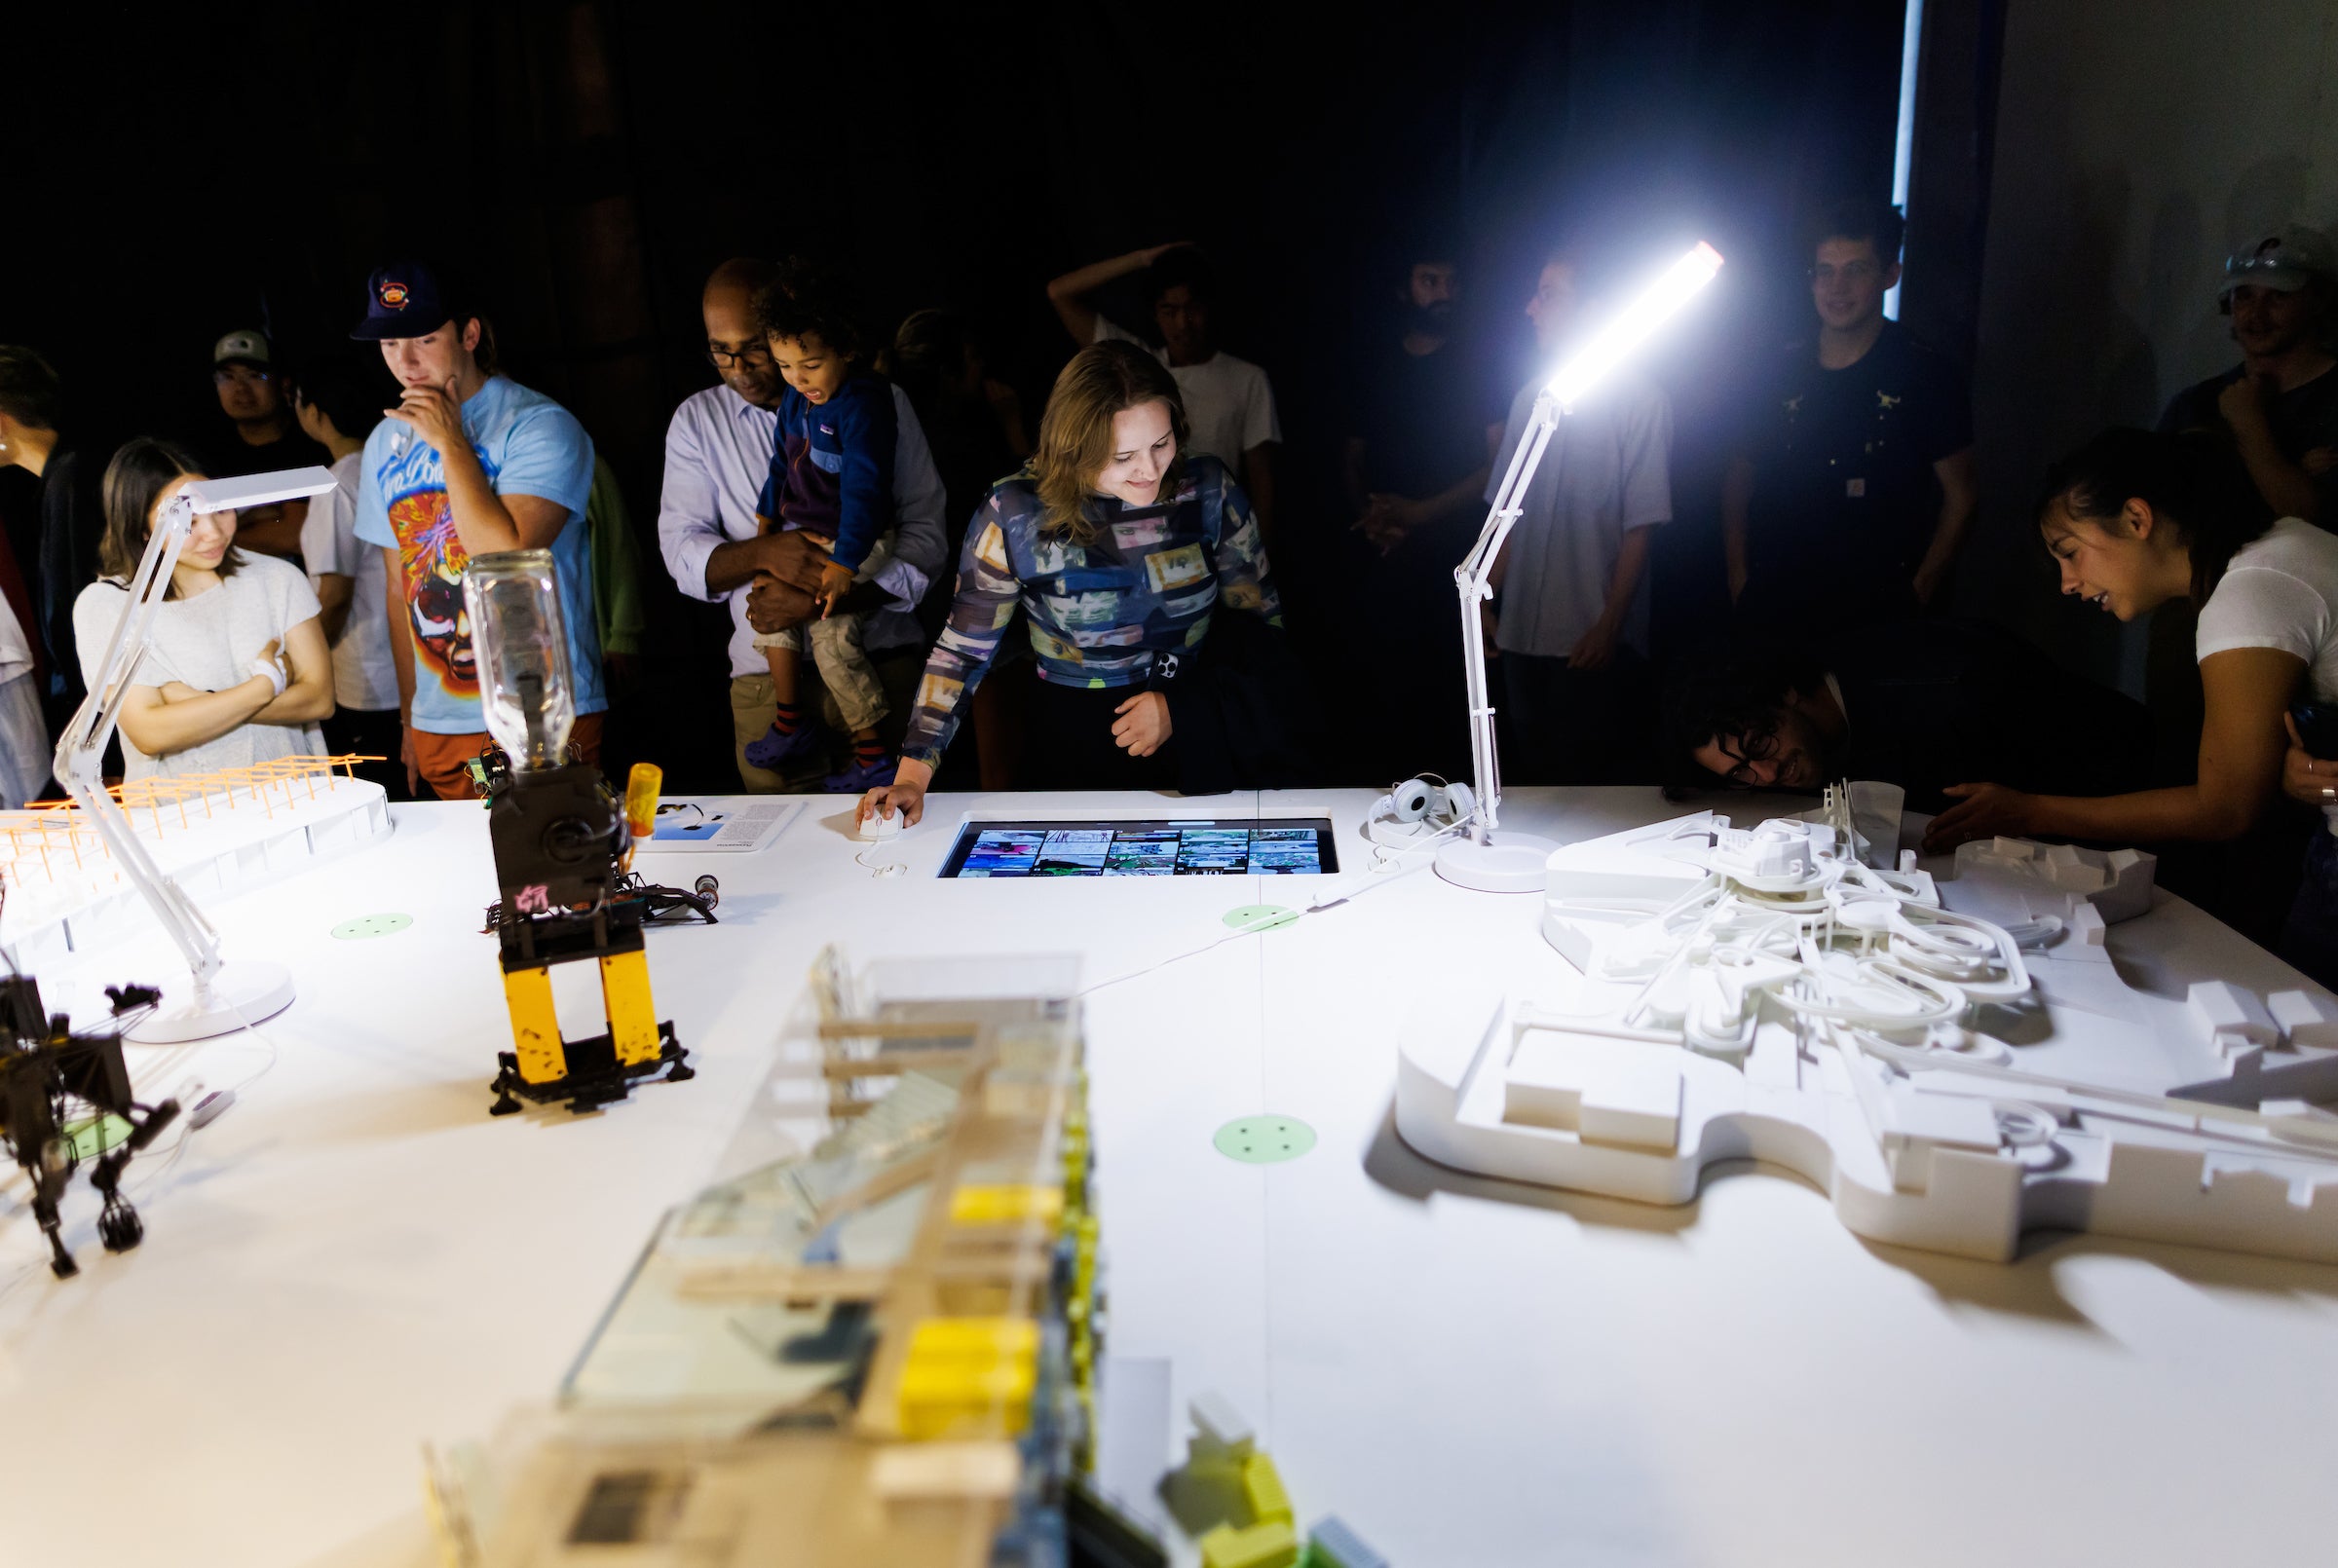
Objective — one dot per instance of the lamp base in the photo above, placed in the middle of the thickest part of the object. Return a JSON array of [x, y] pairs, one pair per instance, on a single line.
[[244, 991], [1506, 863]]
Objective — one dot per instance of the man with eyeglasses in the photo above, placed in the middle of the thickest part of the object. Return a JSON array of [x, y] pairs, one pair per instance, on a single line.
[[718, 452], [2278, 409], [1853, 486], [261, 437], [1923, 704]]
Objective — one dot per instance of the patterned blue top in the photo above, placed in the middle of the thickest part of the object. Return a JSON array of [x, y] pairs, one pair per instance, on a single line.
[[1099, 613]]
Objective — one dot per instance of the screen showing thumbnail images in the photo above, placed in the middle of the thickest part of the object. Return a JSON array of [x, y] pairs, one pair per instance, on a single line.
[[1298, 846]]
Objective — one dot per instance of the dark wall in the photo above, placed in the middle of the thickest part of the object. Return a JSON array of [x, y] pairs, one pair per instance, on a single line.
[[216, 168]]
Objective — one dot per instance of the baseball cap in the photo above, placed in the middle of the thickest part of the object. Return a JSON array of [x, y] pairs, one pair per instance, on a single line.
[[2285, 260], [249, 347], [406, 299]]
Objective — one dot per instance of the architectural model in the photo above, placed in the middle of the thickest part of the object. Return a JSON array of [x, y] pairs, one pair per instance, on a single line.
[[1761, 992], [212, 834], [878, 1351]]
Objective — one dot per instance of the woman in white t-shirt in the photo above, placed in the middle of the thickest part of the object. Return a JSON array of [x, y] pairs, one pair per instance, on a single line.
[[2135, 521], [235, 671]]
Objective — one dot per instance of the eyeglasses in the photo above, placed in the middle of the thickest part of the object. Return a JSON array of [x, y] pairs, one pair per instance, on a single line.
[[1745, 751], [754, 353]]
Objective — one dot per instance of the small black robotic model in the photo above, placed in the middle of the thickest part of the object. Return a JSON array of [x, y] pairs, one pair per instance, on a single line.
[[62, 1093], [562, 842]]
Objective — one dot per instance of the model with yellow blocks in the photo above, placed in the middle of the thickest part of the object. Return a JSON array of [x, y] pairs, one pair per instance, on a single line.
[[1006, 1204], [968, 1371]]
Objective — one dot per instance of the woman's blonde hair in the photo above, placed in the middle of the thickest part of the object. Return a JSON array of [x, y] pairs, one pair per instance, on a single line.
[[1075, 433]]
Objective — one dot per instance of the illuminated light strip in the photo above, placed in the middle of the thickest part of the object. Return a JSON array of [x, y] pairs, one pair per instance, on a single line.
[[1634, 324]]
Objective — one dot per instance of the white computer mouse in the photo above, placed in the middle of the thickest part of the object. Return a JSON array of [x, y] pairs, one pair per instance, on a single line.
[[874, 827]]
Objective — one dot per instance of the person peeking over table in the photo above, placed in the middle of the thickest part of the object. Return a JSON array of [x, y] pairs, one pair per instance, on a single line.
[[235, 671], [2134, 521], [1121, 548]]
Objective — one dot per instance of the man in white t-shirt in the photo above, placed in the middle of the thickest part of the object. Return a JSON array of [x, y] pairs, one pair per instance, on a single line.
[[338, 403], [1572, 577], [1229, 405]]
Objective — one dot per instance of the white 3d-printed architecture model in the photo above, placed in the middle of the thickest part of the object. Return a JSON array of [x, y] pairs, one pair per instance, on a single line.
[[1762, 993]]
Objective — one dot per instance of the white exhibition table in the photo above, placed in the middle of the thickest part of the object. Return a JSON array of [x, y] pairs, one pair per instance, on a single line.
[[356, 1259]]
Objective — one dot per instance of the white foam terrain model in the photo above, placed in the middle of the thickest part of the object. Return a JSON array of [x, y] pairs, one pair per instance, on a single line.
[[1761, 994]]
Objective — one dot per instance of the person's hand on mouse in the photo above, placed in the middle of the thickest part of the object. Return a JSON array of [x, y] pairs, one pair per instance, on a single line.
[[905, 794]]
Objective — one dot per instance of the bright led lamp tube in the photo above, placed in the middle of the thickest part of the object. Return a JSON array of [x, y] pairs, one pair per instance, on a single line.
[[1484, 857]]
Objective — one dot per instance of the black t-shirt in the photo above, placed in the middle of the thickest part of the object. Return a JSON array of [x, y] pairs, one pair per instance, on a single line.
[[228, 456], [1422, 418], [1843, 481], [2303, 418], [72, 522]]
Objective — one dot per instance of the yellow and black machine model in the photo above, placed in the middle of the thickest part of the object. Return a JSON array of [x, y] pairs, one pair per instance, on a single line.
[[562, 843]]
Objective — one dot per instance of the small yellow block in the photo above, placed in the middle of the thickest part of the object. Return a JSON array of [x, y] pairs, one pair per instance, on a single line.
[[1005, 1205], [1273, 1545], [1263, 1490], [967, 1338]]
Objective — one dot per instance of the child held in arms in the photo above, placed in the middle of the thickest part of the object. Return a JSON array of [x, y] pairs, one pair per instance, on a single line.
[[832, 478]]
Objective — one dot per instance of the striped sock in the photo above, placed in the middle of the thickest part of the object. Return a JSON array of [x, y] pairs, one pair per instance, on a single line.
[[866, 752], [787, 717]]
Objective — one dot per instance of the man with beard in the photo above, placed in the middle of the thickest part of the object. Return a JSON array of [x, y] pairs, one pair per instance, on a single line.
[[1420, 449], [469, 463], [2278, 409]]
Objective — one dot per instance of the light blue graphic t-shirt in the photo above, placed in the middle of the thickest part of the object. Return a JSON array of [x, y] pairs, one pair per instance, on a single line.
[[530, 446]]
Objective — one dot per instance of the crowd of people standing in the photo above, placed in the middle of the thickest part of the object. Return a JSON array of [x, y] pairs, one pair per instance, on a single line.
[[900, 548]]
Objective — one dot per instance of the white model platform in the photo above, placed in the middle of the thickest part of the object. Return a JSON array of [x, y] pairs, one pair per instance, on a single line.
[[356, 1259], [1936, 1133]]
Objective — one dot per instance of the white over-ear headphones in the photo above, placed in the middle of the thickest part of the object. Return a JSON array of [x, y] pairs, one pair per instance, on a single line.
[[1418, 809]]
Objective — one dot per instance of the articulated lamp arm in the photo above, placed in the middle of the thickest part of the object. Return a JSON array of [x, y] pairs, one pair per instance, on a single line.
[[80, 752], [1597, 355]]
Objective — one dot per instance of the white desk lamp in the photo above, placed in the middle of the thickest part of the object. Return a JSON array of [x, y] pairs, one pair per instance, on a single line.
[[225, 995], [1480, 854]]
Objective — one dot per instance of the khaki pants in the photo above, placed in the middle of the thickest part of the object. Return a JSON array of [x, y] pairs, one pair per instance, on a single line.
[[752, 706]]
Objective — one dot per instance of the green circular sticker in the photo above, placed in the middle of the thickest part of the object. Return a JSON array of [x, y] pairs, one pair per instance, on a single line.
[[372, 925], [1264, 1140], [93, 1135], [1260, 917]]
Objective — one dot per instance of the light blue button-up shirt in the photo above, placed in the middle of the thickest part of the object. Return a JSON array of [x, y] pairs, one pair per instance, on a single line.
[[718, 452]]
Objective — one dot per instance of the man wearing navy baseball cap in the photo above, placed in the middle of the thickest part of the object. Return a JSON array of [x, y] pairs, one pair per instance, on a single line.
[[469, 463], [2278, 409]]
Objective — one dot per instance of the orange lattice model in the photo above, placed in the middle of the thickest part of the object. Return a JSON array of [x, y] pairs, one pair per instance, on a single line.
[[47, 836]]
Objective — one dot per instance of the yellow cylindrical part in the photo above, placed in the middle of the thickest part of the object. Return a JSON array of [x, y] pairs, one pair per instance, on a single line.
[[642, 788]]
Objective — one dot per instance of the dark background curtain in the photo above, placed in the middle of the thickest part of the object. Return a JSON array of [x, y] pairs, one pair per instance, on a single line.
[[192, 170]]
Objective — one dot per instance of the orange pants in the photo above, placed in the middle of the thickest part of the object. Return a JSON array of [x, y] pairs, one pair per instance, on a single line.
[[440, 759]]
